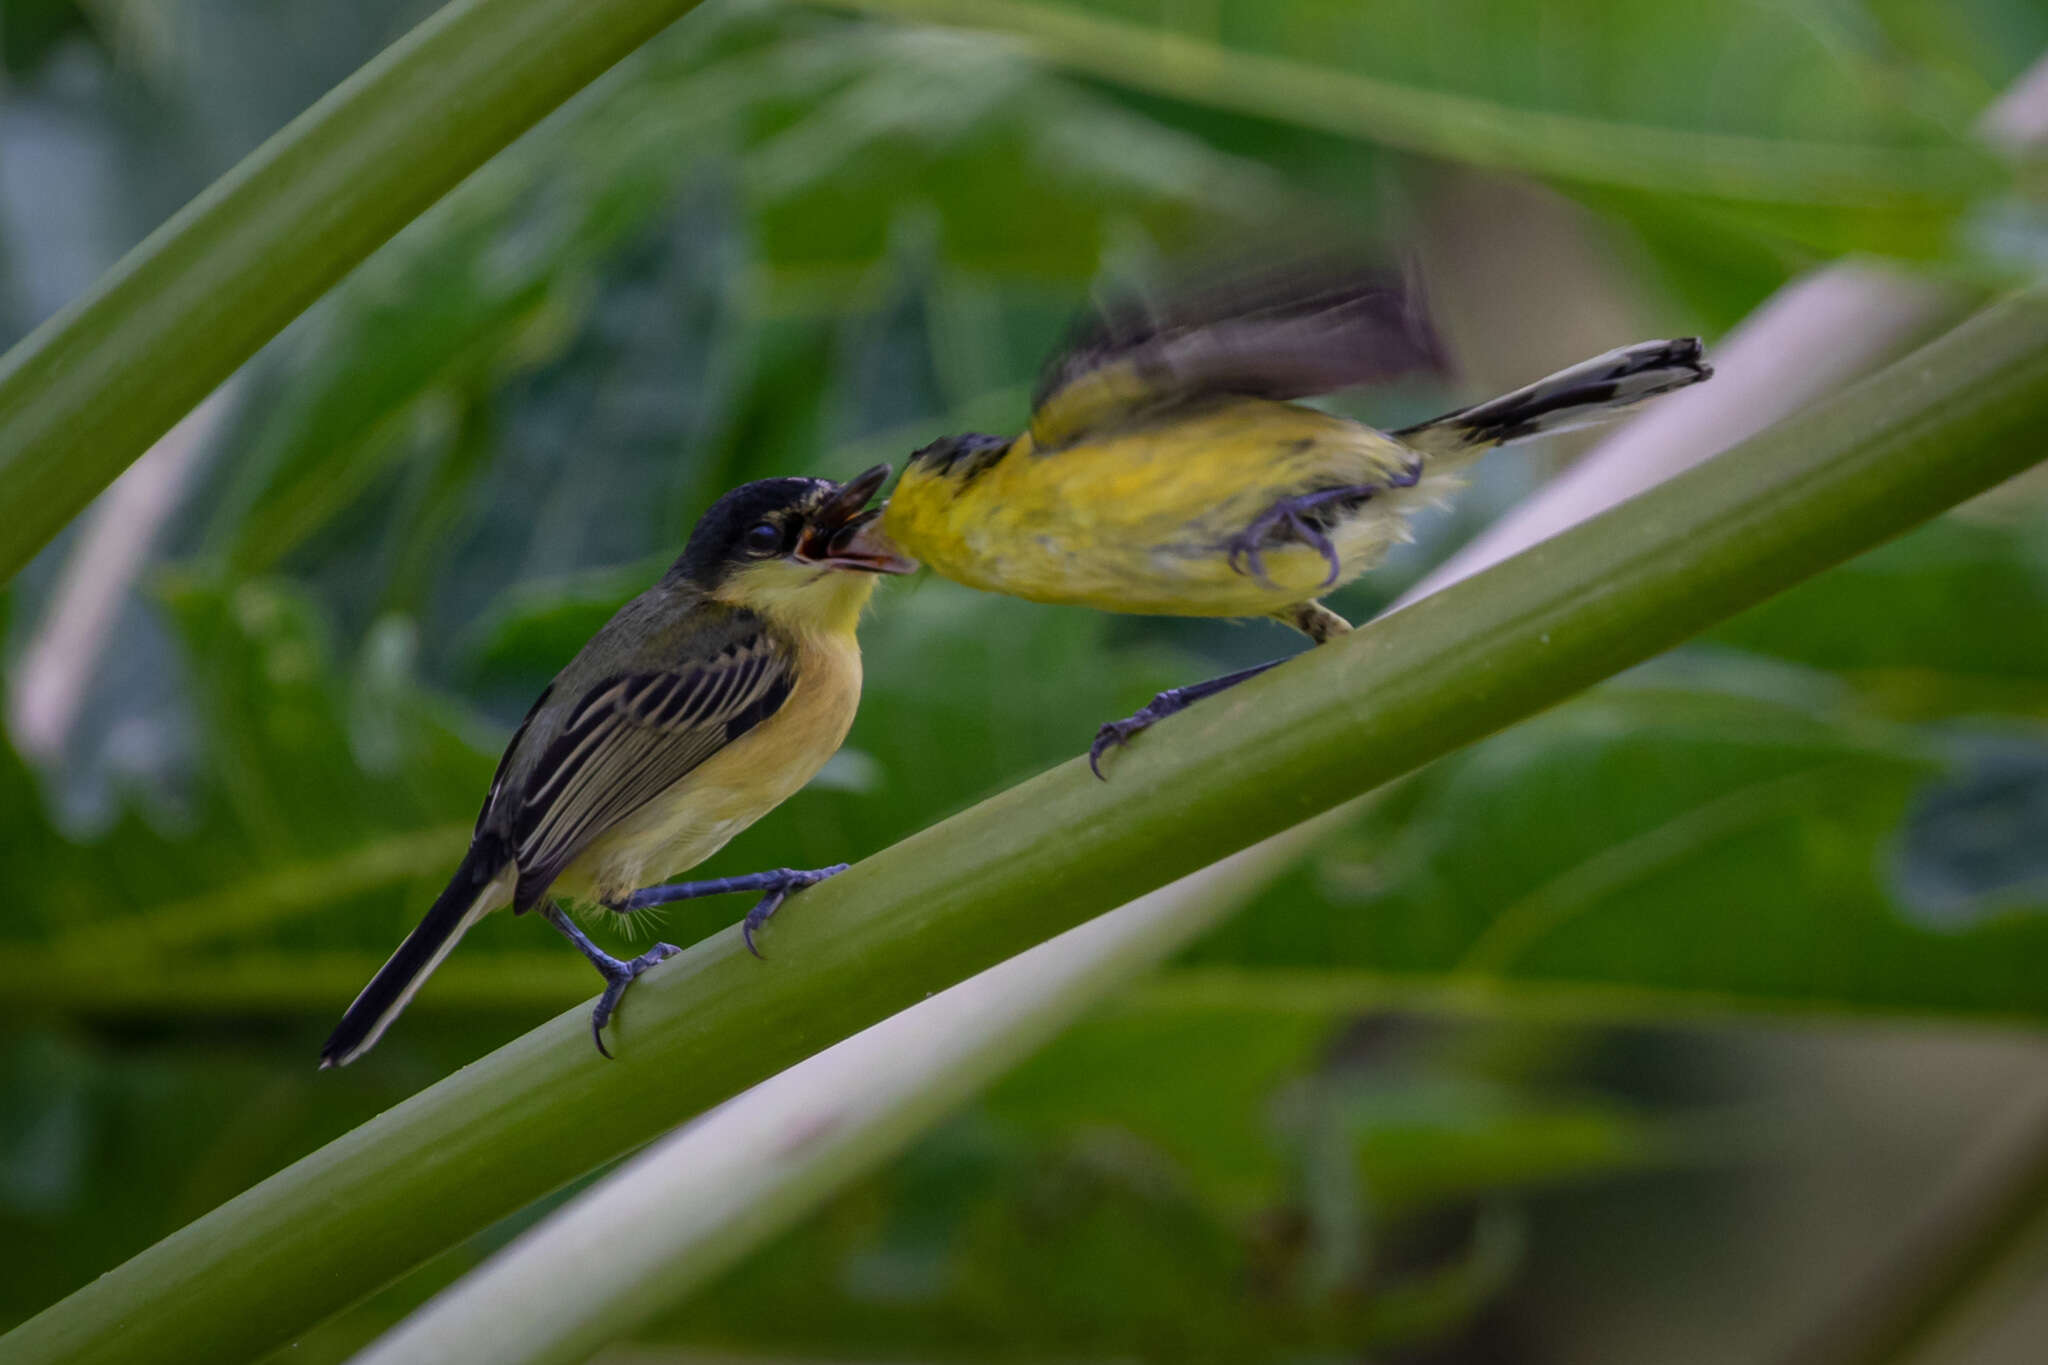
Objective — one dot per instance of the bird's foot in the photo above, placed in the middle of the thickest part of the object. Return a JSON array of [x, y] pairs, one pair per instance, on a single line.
[[765, 908], [1290, 519], [619, 975], [1117, 733], [776, 885]]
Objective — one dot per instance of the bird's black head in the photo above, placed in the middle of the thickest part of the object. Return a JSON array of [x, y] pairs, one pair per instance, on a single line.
[[757, 520], [809, 523]]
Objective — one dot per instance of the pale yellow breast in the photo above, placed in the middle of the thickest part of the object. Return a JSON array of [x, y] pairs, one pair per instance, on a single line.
[[734, 787], [1141, 521]]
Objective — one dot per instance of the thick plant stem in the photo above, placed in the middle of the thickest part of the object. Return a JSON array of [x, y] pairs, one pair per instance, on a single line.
[[93, 387], [1951, 420], [700, 1199]]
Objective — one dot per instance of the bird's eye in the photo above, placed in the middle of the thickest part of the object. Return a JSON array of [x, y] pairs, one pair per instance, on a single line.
[[762, 538]]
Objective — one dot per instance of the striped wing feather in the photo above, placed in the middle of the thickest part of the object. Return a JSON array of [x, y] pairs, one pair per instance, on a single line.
[[628, 740]]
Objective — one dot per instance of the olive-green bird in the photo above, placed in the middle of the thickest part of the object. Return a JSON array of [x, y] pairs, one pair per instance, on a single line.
[[706, 702], [1166, 472]]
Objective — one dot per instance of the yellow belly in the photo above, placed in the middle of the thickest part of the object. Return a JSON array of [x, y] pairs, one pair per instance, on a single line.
[[733, 788], [1141, 521]]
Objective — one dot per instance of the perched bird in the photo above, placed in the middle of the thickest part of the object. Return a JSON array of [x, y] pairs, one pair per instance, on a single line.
[[706, 702], [1165, 472]]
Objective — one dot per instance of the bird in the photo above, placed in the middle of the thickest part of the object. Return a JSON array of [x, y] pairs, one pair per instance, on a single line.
[[1167, 469], [700, 706]]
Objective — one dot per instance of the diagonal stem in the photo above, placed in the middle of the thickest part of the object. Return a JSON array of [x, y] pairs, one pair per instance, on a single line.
[[704, 1196], [93, 387]]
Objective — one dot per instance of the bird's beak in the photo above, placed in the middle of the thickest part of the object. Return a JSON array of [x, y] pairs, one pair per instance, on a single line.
[[842, 535]]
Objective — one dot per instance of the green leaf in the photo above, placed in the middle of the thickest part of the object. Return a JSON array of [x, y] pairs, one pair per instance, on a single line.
[[1664, 847], [260, 846], [1766, 112], [1944, 621]]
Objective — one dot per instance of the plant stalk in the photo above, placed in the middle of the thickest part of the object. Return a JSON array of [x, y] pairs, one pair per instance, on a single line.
[[698, 1200], [98, 383]]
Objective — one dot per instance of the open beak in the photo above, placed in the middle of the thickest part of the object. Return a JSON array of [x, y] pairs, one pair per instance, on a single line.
[[844, 533]]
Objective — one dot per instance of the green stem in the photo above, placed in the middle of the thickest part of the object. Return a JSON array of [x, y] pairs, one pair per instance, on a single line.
[[1953, 419], [691, 1206], [90, 389]]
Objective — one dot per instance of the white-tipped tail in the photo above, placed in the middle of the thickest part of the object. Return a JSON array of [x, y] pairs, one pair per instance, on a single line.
[[474, 892], [1590, 391]]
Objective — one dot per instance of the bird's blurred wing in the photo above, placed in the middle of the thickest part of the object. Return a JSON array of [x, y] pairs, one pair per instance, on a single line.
[[629, 739], [1284, 335]]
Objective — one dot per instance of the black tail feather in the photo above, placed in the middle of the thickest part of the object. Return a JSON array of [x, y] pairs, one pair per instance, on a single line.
[[1591, 391], [392, 987]]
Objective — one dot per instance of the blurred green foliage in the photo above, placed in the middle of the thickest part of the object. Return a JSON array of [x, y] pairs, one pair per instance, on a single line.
[[784, 240]]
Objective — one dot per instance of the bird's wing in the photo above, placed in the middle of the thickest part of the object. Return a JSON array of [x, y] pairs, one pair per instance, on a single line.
[[1286, 334], [628, 739]]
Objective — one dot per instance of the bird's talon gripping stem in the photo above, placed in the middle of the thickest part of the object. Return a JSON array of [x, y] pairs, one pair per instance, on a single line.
[[615, 989], [1117, 733], [617, 975], [775, 886]]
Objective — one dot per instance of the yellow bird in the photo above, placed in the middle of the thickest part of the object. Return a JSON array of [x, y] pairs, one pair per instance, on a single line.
[[706, 702], [1165, 472]]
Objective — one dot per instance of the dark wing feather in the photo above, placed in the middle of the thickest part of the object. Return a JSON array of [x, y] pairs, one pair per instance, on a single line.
[[1286, 334], [626, 741]]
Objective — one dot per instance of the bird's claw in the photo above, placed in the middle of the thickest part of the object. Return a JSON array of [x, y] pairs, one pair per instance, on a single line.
[[790, 879], [1322, 544], [1244, 555], [1173, 700], [1117, 733], [1245, 548], [1287, 516], [1114, 735], [616, 981]]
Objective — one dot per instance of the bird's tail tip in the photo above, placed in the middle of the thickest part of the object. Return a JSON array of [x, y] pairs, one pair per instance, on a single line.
[[1588, 392], [1682, 360], [480, 885]]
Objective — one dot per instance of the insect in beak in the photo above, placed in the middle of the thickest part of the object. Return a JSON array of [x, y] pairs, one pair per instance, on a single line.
[[842, 535]]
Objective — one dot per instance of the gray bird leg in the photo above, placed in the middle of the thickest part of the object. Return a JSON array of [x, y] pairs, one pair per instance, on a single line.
[[617, 975], [1312, 619], [777, 884]]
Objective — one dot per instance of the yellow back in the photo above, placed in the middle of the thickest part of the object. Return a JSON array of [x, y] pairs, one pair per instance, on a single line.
[[1140, 519]]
